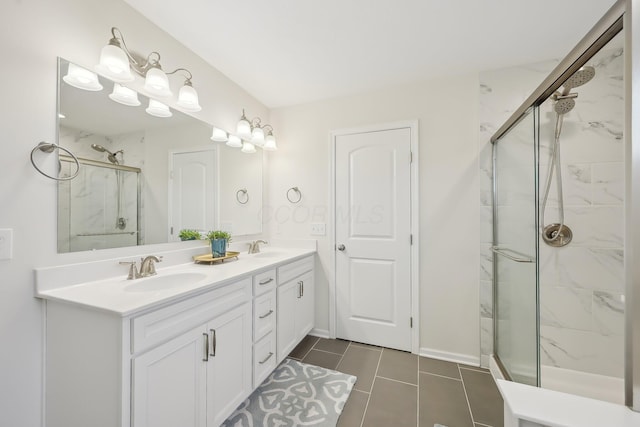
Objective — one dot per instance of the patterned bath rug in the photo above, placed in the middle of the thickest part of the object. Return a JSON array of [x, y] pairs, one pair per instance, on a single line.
[[295, 394]]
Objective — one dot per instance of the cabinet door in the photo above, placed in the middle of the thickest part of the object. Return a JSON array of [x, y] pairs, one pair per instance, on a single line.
[[305, 313], [169, 383], [287, 336], [229, 369]]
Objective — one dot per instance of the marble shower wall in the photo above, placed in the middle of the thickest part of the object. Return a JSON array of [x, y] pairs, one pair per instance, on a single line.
[[582, 284]]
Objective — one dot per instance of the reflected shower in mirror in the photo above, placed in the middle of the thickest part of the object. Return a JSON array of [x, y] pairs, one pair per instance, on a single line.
[[143, 177]]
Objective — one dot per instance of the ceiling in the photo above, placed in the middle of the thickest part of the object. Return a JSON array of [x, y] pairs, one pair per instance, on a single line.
[[287, 52]]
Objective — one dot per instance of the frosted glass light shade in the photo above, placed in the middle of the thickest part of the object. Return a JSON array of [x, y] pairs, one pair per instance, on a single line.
[[243, 129], [234, 141], [218, 135], [82, 78], [156, 83], [158, 109], [248, 148], [270, 143], [124, 95], [114, 64], [257, 136], [188, 99]]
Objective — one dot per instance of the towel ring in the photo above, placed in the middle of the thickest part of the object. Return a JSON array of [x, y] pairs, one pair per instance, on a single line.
[[246, 196], [46, 147], [296, 190]]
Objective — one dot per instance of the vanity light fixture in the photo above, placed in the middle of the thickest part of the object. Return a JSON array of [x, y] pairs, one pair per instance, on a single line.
[[117, 62], [253, 132], [234, 141], [248, 147], [82, 78], [158, 109], [219, 135], [124, 95]]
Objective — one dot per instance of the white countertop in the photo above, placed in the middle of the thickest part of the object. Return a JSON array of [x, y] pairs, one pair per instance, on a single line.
[[120, 296]]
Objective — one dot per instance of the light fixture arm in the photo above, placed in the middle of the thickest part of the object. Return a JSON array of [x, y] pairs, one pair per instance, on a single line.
[[152, 60], [268, 128], [187, 78]]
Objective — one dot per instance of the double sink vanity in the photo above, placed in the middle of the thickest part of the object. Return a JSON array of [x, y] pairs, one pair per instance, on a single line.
[[182, 348]]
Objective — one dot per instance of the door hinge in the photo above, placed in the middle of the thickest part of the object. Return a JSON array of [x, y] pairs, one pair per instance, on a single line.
[[170, 174], [411, 322], [410, 156], [172, 231], [411, 239]]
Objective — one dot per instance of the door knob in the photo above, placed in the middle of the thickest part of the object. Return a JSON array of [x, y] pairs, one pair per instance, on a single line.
[[341, 247]]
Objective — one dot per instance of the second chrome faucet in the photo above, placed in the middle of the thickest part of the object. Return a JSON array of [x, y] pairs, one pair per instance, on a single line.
[[254, 247]]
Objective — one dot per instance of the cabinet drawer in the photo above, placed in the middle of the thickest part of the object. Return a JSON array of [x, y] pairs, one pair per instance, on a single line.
[[264, 358], [153, 328], [264, 315], [264, 282], [294, 269]]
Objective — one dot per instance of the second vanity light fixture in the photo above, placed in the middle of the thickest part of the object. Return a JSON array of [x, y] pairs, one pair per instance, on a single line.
[[116, 63], [249, 134]]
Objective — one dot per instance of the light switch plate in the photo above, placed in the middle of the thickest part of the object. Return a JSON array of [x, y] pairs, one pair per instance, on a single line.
[[6, 243], [318, 229]]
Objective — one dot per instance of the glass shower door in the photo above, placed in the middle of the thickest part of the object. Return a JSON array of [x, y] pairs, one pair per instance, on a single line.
[[515, 280]]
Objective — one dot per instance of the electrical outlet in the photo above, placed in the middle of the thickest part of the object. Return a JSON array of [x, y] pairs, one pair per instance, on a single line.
[[318, 229], [6, 243]]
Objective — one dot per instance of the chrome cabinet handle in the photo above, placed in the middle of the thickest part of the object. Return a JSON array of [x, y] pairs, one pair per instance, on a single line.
[[213, 343], [518, 257], [300, 289], [341, 247], [206, 347], [262, 362], [264, 282], [266, 315]]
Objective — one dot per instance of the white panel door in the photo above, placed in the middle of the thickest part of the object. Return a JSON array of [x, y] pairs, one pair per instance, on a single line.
[[169, 383], [193, 192], [373, 231]]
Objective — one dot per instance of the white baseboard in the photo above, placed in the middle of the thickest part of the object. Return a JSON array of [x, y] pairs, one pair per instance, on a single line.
[[465, 359], [321, 333]]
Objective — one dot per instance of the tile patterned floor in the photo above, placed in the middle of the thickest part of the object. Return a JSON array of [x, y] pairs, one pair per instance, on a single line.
[[400, 389]]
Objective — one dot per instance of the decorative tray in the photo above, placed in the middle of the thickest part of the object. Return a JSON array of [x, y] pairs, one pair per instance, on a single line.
[[209, 259]]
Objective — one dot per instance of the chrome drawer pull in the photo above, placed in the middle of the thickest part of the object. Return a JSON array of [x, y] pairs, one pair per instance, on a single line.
[[264, 282], [213, 349], [266, 358], [206, 347], [266, 315]]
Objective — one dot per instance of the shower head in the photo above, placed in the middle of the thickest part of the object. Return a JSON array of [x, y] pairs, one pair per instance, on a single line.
[[579, 78], [111, 156], [564, 105]]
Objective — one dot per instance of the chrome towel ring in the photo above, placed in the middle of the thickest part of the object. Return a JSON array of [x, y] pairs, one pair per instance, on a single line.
[[242, 196], [297, 191], [46, 147]]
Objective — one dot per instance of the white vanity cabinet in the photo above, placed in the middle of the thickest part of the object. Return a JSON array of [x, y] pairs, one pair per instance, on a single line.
[[295, 304]]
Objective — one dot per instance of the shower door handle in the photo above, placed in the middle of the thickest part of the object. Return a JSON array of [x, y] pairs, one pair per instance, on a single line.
[[518, 257]]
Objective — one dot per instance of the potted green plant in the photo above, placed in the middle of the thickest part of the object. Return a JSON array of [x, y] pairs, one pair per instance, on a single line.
[[186, 234], [219, 241]]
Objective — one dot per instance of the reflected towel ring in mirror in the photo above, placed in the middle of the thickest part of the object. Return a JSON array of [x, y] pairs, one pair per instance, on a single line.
[[46, 147], [242, 196], [295, 190]]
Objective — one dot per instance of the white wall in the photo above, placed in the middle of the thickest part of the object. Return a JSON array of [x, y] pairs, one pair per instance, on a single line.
[[449, 211], [32, 35]]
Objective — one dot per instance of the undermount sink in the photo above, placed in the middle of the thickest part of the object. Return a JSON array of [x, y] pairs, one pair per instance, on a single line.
[[267, 254], [162, 282]]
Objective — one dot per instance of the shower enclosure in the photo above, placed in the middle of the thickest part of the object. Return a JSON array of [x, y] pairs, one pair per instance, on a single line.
[[558, 205]]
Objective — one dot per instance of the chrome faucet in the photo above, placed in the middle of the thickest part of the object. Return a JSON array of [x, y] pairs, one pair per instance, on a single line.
[[254, 247], [147, 266]]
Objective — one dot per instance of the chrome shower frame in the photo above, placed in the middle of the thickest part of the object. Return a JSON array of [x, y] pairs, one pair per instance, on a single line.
[[624, 14]]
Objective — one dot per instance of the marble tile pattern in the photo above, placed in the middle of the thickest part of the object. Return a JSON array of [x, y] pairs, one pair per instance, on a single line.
[[582, 284]]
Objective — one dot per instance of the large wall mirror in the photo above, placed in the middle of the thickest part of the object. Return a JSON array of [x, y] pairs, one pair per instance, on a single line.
[[143, 178]]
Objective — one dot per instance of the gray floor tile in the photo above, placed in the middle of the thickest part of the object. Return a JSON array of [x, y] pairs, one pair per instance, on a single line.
[[391, 404], [442, 401], [399, 365], [370, 347], [361, 362], [484, 398], [354, 409], [303, 348], [333, 346], [439, 367], [322, 358]]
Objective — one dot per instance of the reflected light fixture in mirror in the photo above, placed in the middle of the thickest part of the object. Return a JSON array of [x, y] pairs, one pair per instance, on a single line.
[[124, 95], [82, 78], [117, 62], [158, 109], [219, 135], [243, 128], [248, 148], [234, 141]]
